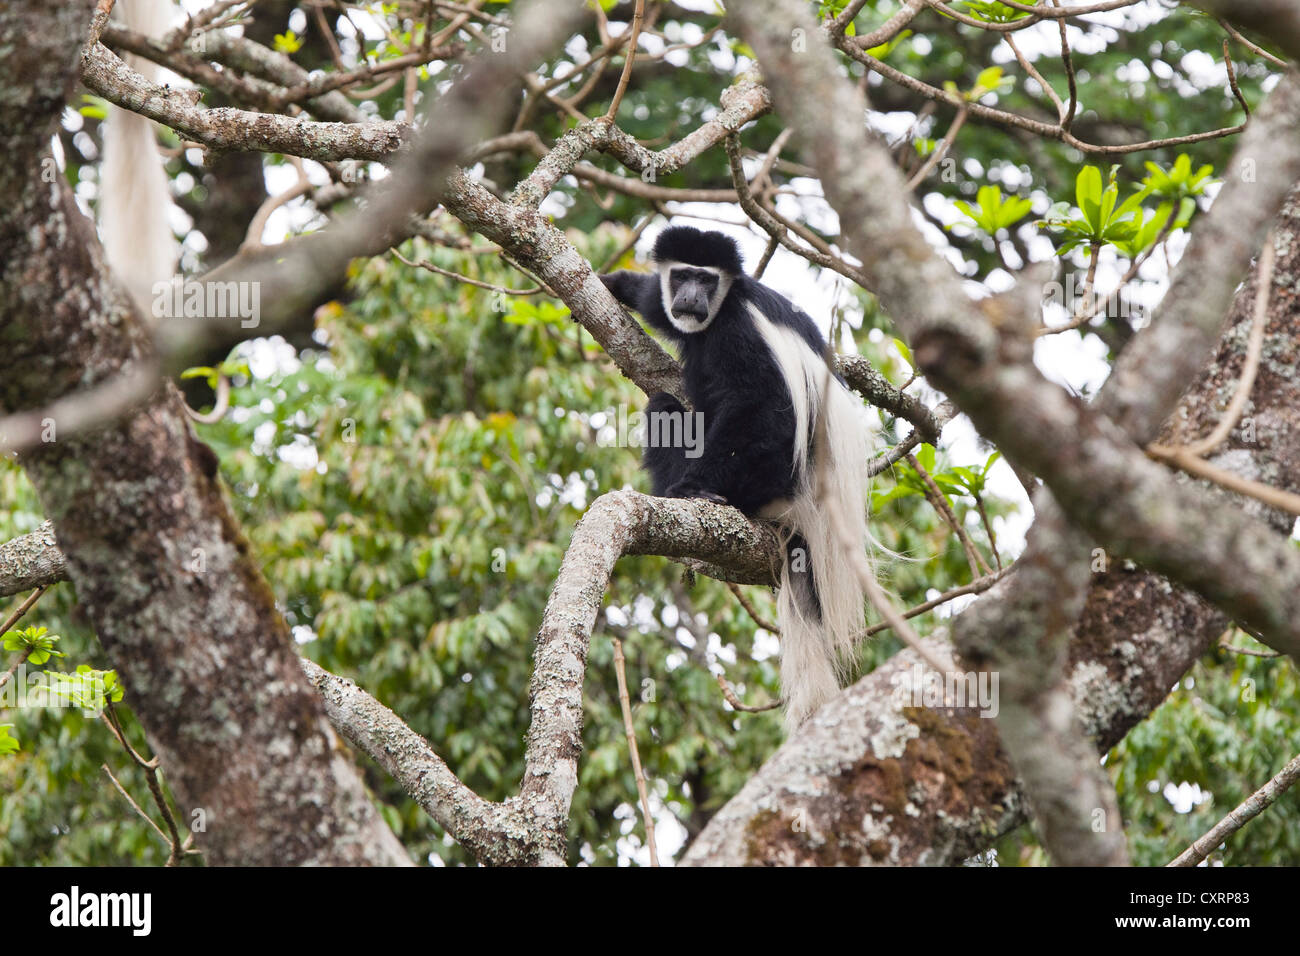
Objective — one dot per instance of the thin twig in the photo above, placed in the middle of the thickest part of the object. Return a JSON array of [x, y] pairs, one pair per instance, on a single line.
[[1252, 47], [773, 243], [23, 608], [115, 726], [1188, 457], [253, 237], [627, 246], [531, 275], [150, 768], [936, 497], [939, 152], [1274, 497], [9, 622], [1033, 71], [1069, 74], [438, 270], [219, 407], [1225, 642], [131, 800], [1232, 80], [994, 115], [735, 702], [763, 178], [336, 53], [628, 59], [626, 704], [776, 226], [883, 33], [978, 586], [895, 454], [988, 527], [1246, 811], [751, 610], [1084, 312]]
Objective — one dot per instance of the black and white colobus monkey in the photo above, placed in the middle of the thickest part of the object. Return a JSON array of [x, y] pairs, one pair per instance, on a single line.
[[754, 365]]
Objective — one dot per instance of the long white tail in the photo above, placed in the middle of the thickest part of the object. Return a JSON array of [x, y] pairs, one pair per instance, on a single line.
[[820, 608], [133, 197]]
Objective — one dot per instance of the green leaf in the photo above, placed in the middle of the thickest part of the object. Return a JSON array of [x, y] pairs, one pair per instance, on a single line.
[[1087, 192], [925, 455], [992, 12], [94, 107], [881, 498], [882, 51], [993, 212], [989, 78], [1178, 182], [947, 485]]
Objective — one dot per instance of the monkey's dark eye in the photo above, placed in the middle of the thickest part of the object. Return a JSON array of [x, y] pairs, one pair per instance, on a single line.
[[702, 279]]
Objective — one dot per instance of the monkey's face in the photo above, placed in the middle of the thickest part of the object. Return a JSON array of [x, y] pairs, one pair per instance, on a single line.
[[692, 295]]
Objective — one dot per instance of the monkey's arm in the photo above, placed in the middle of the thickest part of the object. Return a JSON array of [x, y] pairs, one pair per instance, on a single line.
[[632, 289], [666, 462]]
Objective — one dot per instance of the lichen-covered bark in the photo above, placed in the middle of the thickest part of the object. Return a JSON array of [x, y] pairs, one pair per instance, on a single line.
[[496, 833], [234, 129], [873, 779], [617, 523], [31, 561], [530, 237], [531, 827], [162, 571], [1023, 638], [865, 783], [979, 353], [1265, 446]]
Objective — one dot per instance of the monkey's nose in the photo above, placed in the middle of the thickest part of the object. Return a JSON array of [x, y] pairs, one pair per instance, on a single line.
[[693, 307]]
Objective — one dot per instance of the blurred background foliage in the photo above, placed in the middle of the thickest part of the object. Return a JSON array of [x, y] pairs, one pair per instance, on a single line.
[[410, 478]]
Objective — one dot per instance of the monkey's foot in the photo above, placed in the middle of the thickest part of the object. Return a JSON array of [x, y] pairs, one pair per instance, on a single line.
[[680, 492]]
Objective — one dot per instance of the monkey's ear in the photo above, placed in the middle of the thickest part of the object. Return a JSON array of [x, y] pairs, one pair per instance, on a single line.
[[631, 288]]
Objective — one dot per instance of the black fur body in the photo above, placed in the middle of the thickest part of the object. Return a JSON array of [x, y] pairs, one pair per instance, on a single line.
[[731, 376], [782, 439]]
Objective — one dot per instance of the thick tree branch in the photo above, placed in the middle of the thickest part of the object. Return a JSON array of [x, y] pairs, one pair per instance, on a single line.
[[232, 129], [496, 833], [291, 277], [1049, 753], [532, 827], [981, 357], [1135, 637], [32, 561], [164, 575]]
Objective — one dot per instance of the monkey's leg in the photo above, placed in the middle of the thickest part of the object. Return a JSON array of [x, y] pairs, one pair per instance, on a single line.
[[745, 460], [665, 460]]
